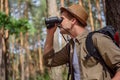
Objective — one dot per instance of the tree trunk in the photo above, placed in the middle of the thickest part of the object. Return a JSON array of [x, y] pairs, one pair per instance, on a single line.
[[63, 37], [68, 2], [80, 2], [90, 14], [2, 63], [5, 46], [40, 61], [7, 55], [99, 13], [22, 73], [28, 58], [6, 7], [12, 57], [40, 58], [104, 9], [2, 60], [28, 55], [62, 3], [1, 5], [56, 72], [26, 9], [113, 13]]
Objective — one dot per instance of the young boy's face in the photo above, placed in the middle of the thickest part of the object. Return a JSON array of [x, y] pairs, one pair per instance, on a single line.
[[66, 23]]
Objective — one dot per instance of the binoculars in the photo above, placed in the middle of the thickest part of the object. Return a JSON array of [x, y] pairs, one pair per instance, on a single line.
[[51, 21]]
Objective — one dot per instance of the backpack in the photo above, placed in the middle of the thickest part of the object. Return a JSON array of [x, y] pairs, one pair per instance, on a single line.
[[92, 50]]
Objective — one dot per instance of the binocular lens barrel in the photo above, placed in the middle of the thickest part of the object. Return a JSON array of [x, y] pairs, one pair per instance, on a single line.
[[50, 22]]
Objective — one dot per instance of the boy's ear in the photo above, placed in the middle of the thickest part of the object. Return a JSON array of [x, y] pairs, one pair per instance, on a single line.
[[74, 20]]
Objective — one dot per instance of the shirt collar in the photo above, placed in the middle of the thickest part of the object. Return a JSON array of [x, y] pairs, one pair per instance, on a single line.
[[81, 36]]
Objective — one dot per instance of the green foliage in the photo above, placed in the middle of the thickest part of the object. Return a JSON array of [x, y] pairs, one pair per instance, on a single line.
[[65, 73], [15, 26], [38, 13], [3, 19], [44, 76]]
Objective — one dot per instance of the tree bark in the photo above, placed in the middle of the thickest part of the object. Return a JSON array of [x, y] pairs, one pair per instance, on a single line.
[[2, 62], [103, 3], [56, 72], [41, 68], [7, 55], [99, 13], [22, 72], [113, 14], [90, 14], [28, 58], [26, 9], [80, 2], [6, 7], [5, 45], [62, 3], [68, 2], [1, 5]]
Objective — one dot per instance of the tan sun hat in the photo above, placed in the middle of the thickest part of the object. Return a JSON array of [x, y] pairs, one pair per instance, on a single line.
[[78, 12]]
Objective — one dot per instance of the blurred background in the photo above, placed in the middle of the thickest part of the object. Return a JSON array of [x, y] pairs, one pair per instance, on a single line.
[[23, 33]]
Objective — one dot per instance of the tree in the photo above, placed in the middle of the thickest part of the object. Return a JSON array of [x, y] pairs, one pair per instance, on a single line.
[[52, 11], [80, 2], [4, 54], [113, 13], [90, 14], [62, 3], [99, 12]]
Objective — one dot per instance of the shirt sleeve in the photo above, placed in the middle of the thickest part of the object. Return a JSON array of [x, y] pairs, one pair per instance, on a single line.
[[52, 58], [108, 50]]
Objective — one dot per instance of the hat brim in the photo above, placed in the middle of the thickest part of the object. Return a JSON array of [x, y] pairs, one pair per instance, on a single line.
[[68, 10]]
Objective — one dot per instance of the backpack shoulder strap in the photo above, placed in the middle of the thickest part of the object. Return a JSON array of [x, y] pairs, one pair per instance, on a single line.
[[89, 45], [93, 52]]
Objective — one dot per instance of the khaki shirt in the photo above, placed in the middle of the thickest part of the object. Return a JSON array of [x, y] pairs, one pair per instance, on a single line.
[[90, 69]]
